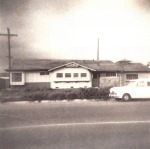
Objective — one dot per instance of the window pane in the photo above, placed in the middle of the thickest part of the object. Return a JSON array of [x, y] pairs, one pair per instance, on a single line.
[[75, 75], [67, 75], [83, 74], [110, 74], [44, 73], [16, 77], [59, 75]]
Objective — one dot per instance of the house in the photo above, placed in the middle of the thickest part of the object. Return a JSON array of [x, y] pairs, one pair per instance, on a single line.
[[74, 73]]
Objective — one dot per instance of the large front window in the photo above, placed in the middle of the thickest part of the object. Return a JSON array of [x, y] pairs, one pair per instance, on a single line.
[[131, 76], [16, 77]]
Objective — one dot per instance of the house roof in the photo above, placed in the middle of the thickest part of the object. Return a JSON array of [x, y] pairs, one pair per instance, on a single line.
[[134, 67], [48, 64], [101, 66]]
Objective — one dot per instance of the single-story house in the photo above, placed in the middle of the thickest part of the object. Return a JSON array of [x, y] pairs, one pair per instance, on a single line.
[[74, 73]]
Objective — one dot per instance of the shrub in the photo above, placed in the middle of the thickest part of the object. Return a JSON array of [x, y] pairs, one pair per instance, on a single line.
[[57, 96], [72, 96], [95, 93], [36, 96]]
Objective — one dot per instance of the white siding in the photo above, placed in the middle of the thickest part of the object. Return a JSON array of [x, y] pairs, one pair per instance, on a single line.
[[72, 81], [35, 77]]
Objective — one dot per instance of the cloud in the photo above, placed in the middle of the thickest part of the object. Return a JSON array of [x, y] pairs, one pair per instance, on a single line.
[[144, 3], [70, 28]]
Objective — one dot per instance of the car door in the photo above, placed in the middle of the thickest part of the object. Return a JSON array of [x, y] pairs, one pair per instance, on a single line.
[[140, 89], [147, 90]]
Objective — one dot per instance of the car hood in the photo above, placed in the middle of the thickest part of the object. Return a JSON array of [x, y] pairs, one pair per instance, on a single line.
[[119, 88]]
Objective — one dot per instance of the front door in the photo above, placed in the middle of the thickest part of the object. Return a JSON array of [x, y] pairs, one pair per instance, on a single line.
[[96, 80]]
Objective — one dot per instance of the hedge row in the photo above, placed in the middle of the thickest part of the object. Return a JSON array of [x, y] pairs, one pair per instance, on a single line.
[[82, 93]]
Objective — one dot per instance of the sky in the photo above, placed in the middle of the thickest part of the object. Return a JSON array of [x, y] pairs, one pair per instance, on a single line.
[[69, 29]]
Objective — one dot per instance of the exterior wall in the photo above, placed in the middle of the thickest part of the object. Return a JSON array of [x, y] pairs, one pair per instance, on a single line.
[[140, 76], [120, 79], [35, 77], [17, 83], [109, 81], [71, 82], [38, 85]]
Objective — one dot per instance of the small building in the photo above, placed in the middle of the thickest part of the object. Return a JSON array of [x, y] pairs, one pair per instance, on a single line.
[[74, 73], [133, 71], [4, 80]]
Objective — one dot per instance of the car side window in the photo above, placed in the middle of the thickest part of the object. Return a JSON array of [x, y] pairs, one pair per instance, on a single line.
[[140, 84], [148, 84]]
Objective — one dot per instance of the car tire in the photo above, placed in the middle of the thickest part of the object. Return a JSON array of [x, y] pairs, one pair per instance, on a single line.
[[126, 97]]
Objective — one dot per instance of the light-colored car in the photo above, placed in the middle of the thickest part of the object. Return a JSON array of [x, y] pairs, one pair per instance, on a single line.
[[133, 90]]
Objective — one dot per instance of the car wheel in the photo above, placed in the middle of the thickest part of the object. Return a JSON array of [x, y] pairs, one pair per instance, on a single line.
[[118, 99], [126, 97]]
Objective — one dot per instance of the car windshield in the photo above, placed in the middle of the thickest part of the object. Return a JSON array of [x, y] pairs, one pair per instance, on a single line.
[[131, 83]]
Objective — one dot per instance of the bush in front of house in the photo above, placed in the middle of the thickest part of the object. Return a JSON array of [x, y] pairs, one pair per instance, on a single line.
[[57, 96], [36, 94], [95, 93]]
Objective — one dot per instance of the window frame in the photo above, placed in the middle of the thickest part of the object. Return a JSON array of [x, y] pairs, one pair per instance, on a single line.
[[111, 74]]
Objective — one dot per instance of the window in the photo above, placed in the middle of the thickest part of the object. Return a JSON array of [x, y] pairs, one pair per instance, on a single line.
[[59, 75], [131, 76], [111, 74], [148, 83], [44, 73], [75, 75], [68, 75], [83, 74], [16, 77]]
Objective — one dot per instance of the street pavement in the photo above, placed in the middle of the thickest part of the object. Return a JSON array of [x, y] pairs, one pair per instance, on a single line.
[[75, 125]]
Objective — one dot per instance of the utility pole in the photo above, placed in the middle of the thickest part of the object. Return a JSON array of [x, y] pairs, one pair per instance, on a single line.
[[8, 35], [98, 49]]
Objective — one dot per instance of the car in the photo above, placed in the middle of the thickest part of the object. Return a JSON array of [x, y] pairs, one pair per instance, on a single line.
[[136, 89]]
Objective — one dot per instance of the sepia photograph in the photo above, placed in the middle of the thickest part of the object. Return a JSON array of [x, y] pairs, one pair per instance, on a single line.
[[74, 74]]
